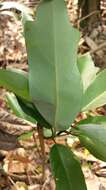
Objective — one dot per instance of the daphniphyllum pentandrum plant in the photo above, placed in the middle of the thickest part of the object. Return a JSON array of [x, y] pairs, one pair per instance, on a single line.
[[59, 85]]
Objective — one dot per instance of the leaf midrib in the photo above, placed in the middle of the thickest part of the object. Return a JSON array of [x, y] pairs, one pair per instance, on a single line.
[[56, 70], [65, 169], [93, 101]]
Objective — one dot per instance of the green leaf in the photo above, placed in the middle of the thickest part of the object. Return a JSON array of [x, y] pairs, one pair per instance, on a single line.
[[95, 95], [13, 104], [26, 136], [54, 78], [16, 81], [94, 120], [16, 108], [31, 111], [47, 133], [87, 69], [93, 137], [26, 12], [25, 110], [66, 169]]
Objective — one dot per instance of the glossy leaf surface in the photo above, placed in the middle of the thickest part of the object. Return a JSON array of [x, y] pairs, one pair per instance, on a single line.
[[16, 81], [93, 137], [66, 169], [54, 78]]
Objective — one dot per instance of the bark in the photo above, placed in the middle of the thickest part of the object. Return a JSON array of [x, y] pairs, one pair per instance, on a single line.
[[89, 9]]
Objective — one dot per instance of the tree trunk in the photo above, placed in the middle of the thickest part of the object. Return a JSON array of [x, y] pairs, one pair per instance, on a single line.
[[89, 11]]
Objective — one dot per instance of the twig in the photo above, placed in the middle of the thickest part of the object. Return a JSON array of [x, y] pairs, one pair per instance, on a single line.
[[12, 182], [101, 46], [34, 138], [47, 182], [53, 137], [23, 177], [87, 16], [93, 46]]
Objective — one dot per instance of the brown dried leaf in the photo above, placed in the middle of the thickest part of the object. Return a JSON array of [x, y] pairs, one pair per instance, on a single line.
[[13, 125], [10, 128], [8, 141]]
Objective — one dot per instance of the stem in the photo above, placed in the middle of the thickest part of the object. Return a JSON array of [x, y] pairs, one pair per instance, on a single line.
[[42, 145]]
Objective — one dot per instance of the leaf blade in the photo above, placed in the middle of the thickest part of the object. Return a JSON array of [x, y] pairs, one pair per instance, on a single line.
[[25, 110], [17, 109], [87, 69], [66, 169], [46, 58], [93, 137], [95, 95], [16, 81], [94, 120]]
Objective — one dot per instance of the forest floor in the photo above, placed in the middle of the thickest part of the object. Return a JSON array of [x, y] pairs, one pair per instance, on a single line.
[[21, 166]]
